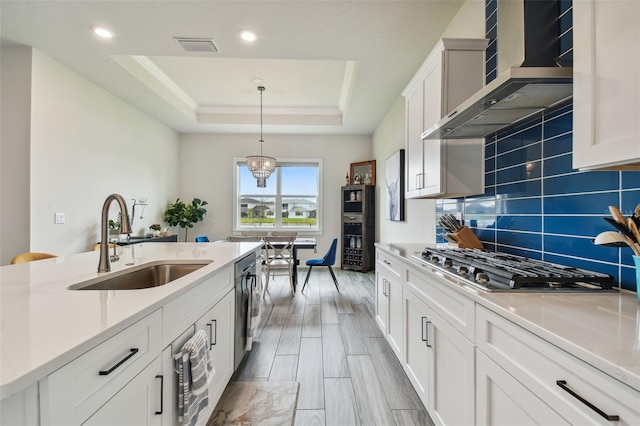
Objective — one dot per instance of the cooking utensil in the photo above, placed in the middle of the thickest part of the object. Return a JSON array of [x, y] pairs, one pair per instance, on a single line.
[[610, 239], [617, 215], [622, 227], [634, 229]]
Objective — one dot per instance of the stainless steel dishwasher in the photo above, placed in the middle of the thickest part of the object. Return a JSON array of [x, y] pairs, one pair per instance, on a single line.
[[245, 275]]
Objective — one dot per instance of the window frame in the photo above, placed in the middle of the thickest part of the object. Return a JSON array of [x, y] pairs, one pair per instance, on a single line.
[[237, 161]]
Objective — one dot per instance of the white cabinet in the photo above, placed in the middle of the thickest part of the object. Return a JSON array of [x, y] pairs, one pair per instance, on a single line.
[[450, 74], [439, 362], [219, 326], [502, 400], [218, 323], [389, 300], [576, 391], [606, 88], [76, 391], [138, 403], [416, 360], [21, 408]]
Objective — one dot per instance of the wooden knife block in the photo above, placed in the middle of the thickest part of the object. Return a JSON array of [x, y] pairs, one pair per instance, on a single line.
[[466, 238]]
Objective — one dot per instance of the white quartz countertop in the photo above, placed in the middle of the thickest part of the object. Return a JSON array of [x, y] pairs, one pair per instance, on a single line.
[[602, 329], [44, 325]]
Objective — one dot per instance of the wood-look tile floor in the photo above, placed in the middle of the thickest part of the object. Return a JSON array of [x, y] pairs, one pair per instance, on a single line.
[[330, 343]]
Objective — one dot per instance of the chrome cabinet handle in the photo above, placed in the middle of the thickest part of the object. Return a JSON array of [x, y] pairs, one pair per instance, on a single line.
[[427, 328], [161, 377], [424, 337], [122, 361], [563, 385], [214, 340], [385, 292]]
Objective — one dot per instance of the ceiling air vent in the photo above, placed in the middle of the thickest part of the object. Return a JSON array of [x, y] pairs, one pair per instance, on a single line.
[[197, 44]]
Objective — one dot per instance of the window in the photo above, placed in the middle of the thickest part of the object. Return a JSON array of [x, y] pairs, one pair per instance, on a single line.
[[290, 200]]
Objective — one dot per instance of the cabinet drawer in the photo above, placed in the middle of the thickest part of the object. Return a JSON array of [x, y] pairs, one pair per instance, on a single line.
[[539, 366], [352, 218], [187, 308], [457, 310], [390, 263], [74, 392]]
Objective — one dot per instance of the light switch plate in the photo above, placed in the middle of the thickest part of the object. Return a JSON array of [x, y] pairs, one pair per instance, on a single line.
[[59, 218]]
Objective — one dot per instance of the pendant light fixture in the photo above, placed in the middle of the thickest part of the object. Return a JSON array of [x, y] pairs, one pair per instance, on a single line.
[[261, 166]]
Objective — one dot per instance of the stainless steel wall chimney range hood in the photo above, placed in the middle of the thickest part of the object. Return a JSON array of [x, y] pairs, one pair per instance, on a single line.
[[529, 78]]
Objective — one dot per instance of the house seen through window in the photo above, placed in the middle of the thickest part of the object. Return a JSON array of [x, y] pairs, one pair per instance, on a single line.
[[289, 201]]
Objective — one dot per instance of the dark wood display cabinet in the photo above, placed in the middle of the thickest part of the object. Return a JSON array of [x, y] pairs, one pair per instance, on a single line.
[[358, 227]]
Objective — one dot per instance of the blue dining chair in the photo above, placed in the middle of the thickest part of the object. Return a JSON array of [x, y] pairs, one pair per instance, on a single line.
[[328, 260], [202, 239]]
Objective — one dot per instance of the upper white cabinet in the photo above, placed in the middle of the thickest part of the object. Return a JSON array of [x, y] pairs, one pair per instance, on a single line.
[[606, 91], [438, 168]]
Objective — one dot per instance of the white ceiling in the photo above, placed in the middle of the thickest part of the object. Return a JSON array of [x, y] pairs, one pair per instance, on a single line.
[[329, 67]]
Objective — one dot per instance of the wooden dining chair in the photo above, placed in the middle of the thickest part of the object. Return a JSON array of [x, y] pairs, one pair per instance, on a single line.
[[293, 234], [254, 233], [243, 239], [30, 257], [278, 255]]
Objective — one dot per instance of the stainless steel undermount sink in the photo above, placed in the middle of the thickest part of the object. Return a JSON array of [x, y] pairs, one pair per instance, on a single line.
[[146, 276]]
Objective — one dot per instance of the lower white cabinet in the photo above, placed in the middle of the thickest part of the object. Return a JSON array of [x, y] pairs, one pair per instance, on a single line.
[[439, 361], [138, 403], [502, 400], [389, 300], [79, 389], [574, 390], [218, 324], [416, 360], [21, 408]]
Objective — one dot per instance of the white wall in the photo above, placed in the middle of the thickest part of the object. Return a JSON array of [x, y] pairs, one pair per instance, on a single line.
[[206, 172], [419, 224], [86, 144], [15, 106]]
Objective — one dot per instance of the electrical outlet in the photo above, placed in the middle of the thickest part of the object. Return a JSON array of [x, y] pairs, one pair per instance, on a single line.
[[59, 218]]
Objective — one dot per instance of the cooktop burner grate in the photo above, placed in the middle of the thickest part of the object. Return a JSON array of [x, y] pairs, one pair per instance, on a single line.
[[500, 270]]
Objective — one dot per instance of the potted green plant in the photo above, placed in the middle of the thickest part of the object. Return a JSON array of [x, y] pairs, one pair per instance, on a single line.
[[114, 225], [185, 215]]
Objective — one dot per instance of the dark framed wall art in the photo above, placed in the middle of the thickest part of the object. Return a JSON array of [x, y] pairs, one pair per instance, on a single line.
[[394, 182], [363, 173]]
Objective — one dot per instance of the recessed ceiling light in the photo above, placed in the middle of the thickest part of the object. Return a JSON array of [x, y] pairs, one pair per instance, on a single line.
[[257, 80], [102, 32], [247, 35]]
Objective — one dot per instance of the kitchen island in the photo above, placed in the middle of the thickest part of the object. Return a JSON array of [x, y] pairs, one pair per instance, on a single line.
[[512, 355], [45, 325]]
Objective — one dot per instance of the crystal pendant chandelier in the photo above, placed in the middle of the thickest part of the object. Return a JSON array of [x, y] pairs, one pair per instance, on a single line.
[[261, 166]]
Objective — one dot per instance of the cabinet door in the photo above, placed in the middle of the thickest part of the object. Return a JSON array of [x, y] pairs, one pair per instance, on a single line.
[[432, 113], [222, 350], [502, 400], [395, 319], [452, 395], [414, 129], [416, 354], [138, 403], [606, 88], [382, 302], [218, 323]]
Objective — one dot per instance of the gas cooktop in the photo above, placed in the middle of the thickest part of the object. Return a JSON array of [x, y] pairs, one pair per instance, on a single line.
[[493, 271]]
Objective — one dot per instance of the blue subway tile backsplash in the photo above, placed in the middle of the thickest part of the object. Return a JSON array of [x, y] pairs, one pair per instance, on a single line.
[[535, 204]]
